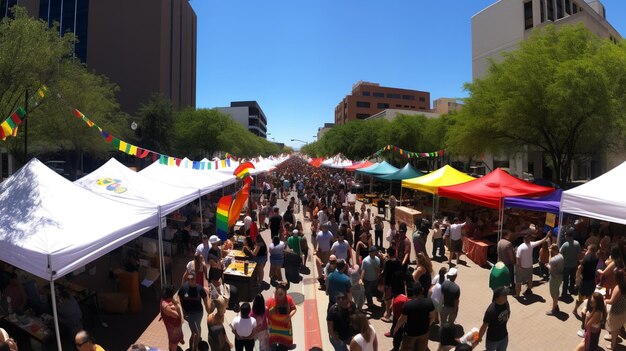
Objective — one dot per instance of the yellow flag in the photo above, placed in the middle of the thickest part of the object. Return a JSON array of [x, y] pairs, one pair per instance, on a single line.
[[122, 146], [133, 150]]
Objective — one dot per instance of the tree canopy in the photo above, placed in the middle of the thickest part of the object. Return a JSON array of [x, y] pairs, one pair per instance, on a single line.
[[561, 93]]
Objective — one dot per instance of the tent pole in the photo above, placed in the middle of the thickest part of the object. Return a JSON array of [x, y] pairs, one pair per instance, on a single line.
[[501, 219], [161, 254], [55, 313], [200, 205], [559, 236]]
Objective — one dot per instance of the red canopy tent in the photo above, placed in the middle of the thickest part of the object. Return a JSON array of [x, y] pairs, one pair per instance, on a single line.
[[356, 166], [490, 190], [316, 162]]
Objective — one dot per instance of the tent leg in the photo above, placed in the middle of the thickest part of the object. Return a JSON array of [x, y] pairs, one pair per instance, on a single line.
[[500, 219], [55, 314], [161, 252], [201, 224], [559, 236]]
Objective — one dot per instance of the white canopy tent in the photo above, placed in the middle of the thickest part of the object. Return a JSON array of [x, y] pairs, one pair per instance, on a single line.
[[204, 181], [117, 182], [51, 227], [136, 188], [603, 198]]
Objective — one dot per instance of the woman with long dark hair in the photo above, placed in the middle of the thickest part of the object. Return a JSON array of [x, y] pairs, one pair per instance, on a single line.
[[259, 312]]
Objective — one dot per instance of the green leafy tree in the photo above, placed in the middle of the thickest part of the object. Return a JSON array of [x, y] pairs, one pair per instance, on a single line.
[[156, 124], [203, 133], [562, 93], [29, 56], [54, 128]]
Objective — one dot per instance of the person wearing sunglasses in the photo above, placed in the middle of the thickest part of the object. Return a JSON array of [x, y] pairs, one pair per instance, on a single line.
[[85, 342]]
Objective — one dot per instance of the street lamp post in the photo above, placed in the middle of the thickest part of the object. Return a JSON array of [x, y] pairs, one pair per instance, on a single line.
[[302, 141]]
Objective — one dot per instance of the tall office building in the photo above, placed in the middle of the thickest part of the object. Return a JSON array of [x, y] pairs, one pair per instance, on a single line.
[[144, 46], [504, 24], [368, 99], [249, 114]]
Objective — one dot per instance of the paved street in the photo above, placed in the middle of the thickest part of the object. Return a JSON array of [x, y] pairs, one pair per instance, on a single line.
[[529, 327]]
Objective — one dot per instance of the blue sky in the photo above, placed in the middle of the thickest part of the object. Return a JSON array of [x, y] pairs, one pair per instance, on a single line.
[[299, 58]]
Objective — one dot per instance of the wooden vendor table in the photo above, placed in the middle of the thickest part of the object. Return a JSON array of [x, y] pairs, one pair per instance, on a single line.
[[235, 275], [407, 215], [476, 250]]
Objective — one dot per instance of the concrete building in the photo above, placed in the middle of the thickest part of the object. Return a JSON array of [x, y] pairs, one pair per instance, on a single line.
[[369, 98], [503, 25], [249, 114], [144, 46], [322, 130], [391, 113], [447, 105]]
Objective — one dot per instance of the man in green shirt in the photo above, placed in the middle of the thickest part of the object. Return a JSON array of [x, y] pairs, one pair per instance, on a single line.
[[294, 242]]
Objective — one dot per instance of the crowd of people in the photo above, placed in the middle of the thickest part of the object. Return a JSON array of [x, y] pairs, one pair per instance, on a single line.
[[368, 273]]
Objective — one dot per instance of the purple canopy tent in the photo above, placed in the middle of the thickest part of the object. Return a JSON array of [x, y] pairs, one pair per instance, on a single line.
[[548, 203]]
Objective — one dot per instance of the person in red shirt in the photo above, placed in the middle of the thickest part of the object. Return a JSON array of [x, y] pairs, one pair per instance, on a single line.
[[400, 297]]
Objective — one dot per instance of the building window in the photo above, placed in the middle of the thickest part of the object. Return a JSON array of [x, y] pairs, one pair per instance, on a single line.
[[379, 94], [366, 93], [382, 105], [362, 116], [542, 7], [574, 8], [568, 7], [550, 9], [422, 99], [393, 96], [363, 104], [422, 108], [406, 106], [528, 15], [398, 105], [408, 97], [559, 9], [412, 106]]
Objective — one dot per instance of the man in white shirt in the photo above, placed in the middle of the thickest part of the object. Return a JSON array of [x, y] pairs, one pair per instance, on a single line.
[[341, 248], [456, 239], [247, 222], [324, 238], [524, 263]]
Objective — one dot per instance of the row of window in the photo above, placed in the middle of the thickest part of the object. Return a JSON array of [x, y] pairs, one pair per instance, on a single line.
[[563, 8], [381, 105], [393, 96]]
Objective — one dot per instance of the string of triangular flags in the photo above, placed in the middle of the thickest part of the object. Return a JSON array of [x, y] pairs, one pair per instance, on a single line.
[[9, 126], [142, 153], [406, 153]]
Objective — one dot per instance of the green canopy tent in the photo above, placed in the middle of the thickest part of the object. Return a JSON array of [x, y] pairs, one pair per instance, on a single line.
[[378, 169]]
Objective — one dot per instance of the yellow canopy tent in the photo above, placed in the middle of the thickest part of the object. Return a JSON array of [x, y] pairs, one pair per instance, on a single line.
[[444, 176], [430, 183]]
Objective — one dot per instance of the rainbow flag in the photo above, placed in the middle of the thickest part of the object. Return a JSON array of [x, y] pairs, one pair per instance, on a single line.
[[240, 199], [243, 170], [223, 208]]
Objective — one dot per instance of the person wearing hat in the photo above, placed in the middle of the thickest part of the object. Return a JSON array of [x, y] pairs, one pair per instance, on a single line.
[[338, 322], [495, 320], [451, 293], [418, 314], [571, 252], [370, 272]]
